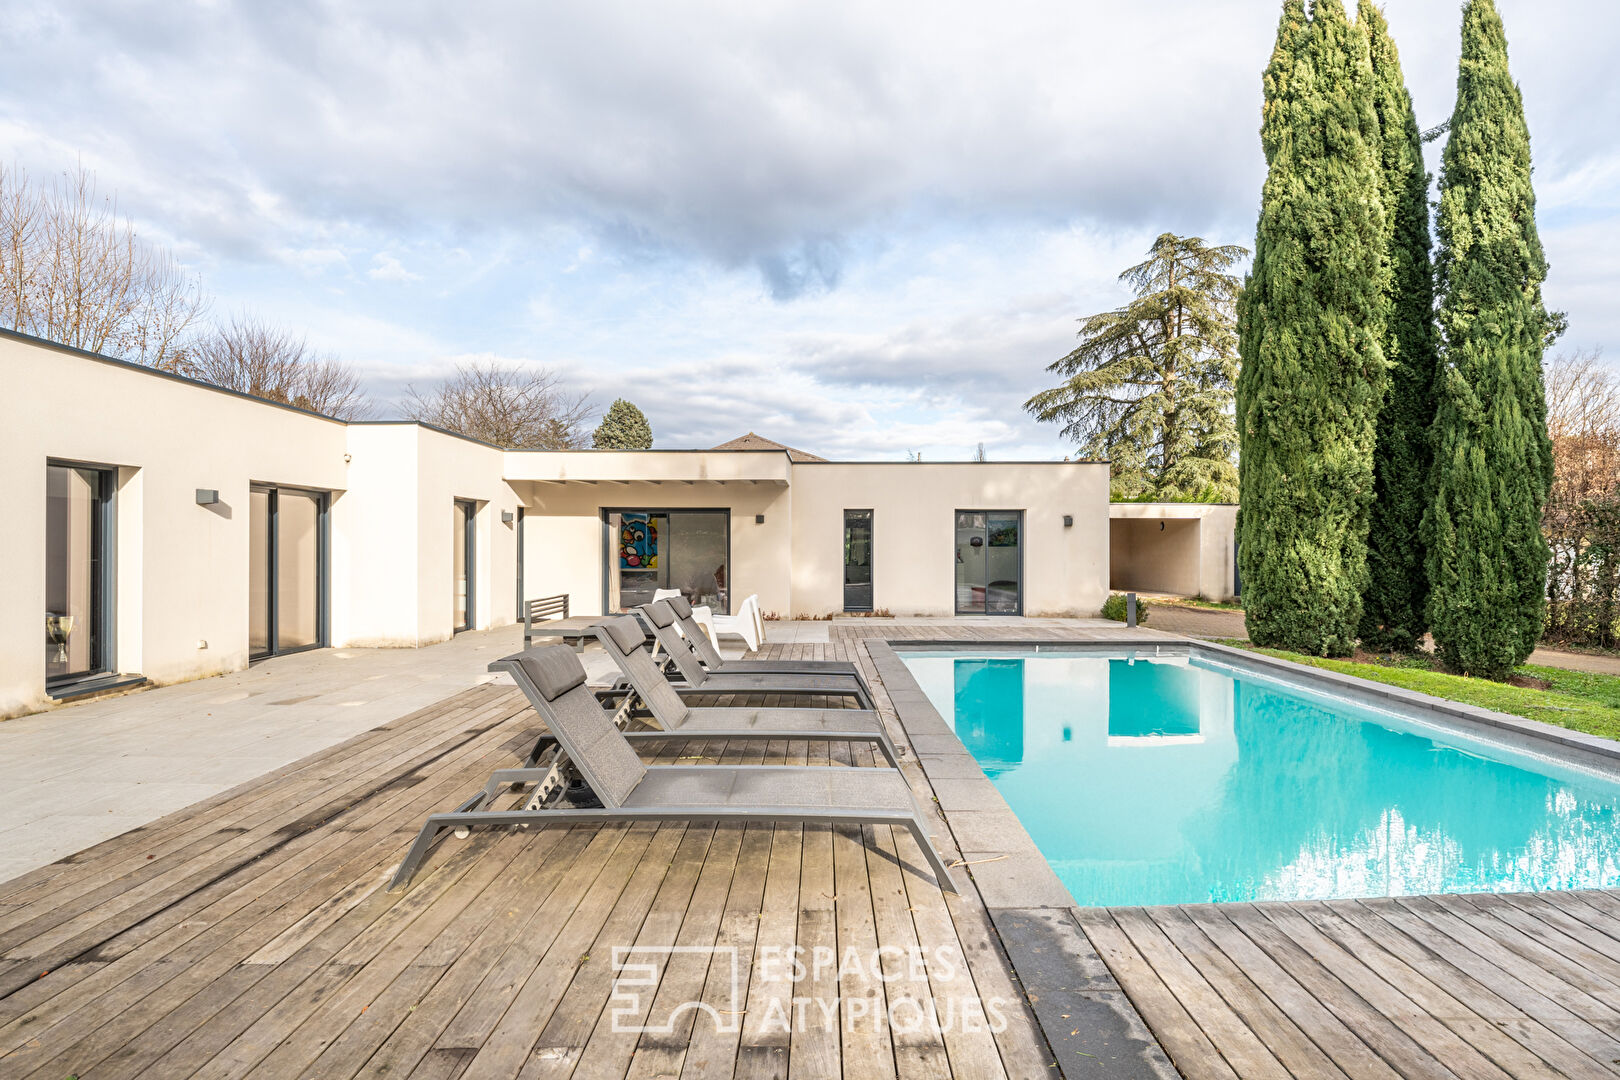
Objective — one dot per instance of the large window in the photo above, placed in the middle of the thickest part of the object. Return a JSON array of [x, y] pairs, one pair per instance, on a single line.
[[989, 562], [648, 550], [464, 523], [857, 560], [78, 572], [286, 570]]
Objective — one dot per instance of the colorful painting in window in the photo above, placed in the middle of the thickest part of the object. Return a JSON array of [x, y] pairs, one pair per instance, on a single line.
[[638, 543]]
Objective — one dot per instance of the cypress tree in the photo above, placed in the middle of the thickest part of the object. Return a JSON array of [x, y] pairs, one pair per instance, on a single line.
[[1487, 559], [1310, 334], [1392, 615]]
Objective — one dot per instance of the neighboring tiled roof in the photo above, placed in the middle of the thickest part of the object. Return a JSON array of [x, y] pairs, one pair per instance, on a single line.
[[751, 441]]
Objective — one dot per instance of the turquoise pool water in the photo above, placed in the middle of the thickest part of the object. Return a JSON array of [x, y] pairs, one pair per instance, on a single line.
[[1176, 781]]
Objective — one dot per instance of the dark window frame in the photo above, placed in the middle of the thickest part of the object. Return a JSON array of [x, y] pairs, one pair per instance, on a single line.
[[469, 507], [956, 597], [323, 576], [610, 544], [104, 595], [871, 559]]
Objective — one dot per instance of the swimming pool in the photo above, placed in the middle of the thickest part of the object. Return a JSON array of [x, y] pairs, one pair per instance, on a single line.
[[1171, 780]]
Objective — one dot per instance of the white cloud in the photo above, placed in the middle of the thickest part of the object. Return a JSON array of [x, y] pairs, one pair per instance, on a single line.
[[864, 227], [385, 267]]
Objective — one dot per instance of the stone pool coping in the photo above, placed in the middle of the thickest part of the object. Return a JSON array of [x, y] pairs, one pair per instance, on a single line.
[[1088, 1021]]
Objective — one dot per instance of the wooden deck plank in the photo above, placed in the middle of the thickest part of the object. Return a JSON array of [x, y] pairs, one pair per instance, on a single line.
[[762, 1050], [1235, 1040], [711, 1053], [1338, 920], [199, 937], [1338, 1040], [660, 1053], [1384, 1032], [1541, 967], [581, 1039], [634, 872], [1434, 995], [1523, 986], [1293, 1050], [910, 998], [1183, 1040]]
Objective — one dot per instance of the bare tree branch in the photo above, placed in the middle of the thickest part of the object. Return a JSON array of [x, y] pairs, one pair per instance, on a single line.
[[73, 270], [523, 408], [267, 361]]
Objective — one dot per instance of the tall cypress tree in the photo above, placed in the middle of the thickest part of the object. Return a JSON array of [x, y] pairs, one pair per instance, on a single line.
[[1392, 614], [1487, 559], [1310, 334]]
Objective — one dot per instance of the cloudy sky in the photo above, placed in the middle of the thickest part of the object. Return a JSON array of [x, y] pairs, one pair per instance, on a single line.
[[858, 228]]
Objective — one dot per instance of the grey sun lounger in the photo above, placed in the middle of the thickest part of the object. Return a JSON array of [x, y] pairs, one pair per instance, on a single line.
[[632, 791], [667, 702], [716, 663], [839, 684], [681, 723]]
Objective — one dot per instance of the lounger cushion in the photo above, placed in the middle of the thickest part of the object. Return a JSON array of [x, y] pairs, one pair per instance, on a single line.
[[660, 613], [680, 606], [807, 721], [825, 788], [555, 670], [626, 632]]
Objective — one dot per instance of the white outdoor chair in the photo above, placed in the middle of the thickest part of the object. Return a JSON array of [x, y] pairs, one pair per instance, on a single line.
[[746, 624]]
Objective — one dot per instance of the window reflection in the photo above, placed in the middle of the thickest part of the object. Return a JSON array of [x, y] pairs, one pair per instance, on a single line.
[[76, 527], [688, 550]]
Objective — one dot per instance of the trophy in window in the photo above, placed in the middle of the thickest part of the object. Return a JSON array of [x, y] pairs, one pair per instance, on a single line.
[[58, 628]]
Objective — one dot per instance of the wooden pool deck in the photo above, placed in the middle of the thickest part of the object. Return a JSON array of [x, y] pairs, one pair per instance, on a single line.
[[252, 934]]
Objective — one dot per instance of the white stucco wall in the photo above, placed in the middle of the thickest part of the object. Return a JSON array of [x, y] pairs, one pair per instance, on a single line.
[[181, 568], [565, 547], [181, 578], [914, 537]]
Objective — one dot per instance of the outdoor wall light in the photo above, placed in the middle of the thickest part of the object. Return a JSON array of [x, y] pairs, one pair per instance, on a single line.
[[207, 496], [506, 517], [1161, 526], [1068, 521], [759, 519]]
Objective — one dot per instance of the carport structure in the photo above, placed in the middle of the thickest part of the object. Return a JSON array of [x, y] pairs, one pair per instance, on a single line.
[[1183, 549]]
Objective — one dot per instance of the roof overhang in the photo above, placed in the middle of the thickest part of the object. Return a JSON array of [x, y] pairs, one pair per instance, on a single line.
[[622, 468]]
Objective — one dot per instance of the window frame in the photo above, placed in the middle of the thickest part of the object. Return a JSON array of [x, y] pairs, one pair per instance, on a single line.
[[323, 576], [871, 559], [104, 603], [610, 545]]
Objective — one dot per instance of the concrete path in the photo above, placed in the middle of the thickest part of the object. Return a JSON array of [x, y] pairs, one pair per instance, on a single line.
[[1574, 661]]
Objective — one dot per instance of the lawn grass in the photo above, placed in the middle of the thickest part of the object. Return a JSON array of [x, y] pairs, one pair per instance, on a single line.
[[1200, 602], [1580, 700]]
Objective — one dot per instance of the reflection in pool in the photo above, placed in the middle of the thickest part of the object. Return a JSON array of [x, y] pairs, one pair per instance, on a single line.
[[1172, 781]]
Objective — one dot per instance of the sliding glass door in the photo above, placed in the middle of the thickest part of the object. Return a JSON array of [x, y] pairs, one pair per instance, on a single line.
[[989, 562], [78, 572], [286, 570], [463, 524], [857, 560], [648, 550]]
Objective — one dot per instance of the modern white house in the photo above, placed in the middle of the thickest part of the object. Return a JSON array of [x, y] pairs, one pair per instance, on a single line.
[[164, 529]]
